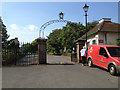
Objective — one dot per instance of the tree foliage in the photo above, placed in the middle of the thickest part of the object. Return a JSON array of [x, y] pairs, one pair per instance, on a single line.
[[5, 36], [65, 37], [91, 25], [12, 45], [54, 43], [30, 47], [70, 33]]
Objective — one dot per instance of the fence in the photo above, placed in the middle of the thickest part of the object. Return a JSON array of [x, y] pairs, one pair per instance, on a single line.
[[19, 53]]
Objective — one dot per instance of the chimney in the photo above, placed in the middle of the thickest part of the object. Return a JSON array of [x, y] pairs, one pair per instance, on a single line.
[[105, 20]]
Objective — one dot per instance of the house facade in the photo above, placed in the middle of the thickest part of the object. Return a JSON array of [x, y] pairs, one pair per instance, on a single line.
[[105, 33]]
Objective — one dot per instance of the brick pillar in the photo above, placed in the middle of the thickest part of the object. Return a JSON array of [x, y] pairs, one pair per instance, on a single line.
[[78, 52], [42, 50]]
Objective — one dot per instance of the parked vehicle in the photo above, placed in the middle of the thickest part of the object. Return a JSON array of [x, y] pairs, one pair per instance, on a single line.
[[105, 56]]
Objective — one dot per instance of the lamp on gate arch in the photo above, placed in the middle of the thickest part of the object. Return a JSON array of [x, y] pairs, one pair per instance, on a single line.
[[61, 15]]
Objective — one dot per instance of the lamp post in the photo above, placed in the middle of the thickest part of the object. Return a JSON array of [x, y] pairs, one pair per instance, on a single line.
[[86, 9], [61, 15]]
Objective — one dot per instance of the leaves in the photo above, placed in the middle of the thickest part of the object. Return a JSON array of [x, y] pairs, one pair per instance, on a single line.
[[65, 37], [54, 42], [5, 36]]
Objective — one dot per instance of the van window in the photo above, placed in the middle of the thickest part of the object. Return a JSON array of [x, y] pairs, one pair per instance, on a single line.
[[114, 51], [103, 52]]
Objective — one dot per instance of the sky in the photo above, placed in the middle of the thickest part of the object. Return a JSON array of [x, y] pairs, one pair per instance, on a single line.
[[24, 19]]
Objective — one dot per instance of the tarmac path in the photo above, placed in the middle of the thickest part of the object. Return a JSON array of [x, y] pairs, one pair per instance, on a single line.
[[60, 72]]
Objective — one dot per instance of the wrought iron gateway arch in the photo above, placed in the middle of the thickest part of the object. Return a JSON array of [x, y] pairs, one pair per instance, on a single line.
[[42, 41], [41, 32]]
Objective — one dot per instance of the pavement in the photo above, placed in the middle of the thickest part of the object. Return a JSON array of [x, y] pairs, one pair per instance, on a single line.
[[60, 72]]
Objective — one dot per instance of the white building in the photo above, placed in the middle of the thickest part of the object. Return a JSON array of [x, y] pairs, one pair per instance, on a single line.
[[105, 33]]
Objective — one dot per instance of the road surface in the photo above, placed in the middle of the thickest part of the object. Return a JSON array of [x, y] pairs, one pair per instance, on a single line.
[[60, 72]]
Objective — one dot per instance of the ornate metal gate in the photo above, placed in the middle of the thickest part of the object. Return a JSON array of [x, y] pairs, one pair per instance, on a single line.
[[20, 54]]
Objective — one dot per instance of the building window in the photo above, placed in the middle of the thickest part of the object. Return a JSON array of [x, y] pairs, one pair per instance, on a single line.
[[88, 44], [94, 41]]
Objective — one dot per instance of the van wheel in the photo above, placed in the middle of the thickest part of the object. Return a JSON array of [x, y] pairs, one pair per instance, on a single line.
[[90, 63], [112, 70]]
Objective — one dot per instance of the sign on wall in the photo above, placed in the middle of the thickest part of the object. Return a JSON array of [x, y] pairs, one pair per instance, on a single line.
[[101, 41]]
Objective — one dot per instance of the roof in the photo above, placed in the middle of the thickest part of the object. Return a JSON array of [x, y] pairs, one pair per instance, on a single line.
[[103, 27], [78, 40]]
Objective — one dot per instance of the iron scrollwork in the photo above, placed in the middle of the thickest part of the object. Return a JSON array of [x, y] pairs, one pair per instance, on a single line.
[[49, 23]]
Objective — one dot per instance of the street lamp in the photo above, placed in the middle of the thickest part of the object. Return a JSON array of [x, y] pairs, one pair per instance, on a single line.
[[86, 9], [61, 15]]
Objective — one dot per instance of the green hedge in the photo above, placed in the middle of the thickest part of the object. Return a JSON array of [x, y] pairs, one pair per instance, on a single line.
[[67, 53]]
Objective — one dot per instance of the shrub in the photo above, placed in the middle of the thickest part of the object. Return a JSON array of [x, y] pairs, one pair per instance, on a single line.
[[118, 42], [67, 53]]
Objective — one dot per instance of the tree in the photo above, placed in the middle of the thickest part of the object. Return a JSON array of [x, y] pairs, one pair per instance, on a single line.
[[34, 46], [63, 39], [30, 47], [70, 33], [53, 43], [91, 25], [5, 36], [26, 48], [12, 45]]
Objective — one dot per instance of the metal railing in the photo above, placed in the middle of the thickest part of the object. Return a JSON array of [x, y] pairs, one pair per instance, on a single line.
[[19, 54]]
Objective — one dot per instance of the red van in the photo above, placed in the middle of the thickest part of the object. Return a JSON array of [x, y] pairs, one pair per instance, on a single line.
[[105, 56]]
